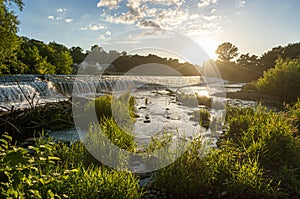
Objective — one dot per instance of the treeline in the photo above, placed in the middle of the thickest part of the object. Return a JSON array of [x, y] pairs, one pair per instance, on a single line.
[[246, 67], [126, 63]]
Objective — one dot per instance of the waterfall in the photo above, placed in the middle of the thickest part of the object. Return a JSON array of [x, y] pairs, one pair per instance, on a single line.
[[16, 89]]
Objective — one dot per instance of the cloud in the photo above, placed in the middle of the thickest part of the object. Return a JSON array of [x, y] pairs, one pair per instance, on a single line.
[[107, 33], [68, 20], [112, 4], [211, 17], [160, 15], [206, 3], [130, 17], [53, 18], [241, 3], [94, 27], [101, 37], [148, 24], [61, 10]]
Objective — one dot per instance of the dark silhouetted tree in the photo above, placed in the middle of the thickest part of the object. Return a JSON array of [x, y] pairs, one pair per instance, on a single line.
[[248, 61], [227, 51]]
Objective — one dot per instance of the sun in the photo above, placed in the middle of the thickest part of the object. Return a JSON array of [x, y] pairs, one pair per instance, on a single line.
[[209, 45]]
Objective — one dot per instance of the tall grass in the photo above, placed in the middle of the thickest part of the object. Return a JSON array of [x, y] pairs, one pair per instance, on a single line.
[[258, 157]]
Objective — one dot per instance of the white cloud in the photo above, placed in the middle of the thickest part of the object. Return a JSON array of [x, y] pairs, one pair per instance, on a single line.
[[94, 27], [241, 3], [166, 2], [68, 20], [211, 17], [206, 3], [61, 10], [134, 3], [108, 33], [112, 4], [101, 37], [51, 17]]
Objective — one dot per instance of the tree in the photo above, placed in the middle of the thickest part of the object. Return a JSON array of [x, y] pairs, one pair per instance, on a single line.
[[9, 41], [35, 62], [77, 54], [226, 51], [248, 61], [63, 62]]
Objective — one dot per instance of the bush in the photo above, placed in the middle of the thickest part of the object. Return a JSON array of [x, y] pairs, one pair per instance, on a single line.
[[283, 80]]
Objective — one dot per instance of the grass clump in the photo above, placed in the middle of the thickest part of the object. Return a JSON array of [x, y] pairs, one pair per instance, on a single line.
[[121, 108], [202, 116]]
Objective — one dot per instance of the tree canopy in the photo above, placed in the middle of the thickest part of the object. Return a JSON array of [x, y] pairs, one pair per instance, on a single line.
[[9, 41], [227, 51]]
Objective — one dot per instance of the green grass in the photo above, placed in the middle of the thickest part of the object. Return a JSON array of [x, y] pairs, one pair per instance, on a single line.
[[258, 157]]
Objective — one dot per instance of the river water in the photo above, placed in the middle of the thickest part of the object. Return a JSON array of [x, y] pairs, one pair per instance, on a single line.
[[158, 110]]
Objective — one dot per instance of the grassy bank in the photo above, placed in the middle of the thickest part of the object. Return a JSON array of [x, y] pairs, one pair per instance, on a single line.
[[258, 156]]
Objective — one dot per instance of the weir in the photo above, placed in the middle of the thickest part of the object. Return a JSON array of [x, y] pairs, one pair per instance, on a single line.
[[16, 88]]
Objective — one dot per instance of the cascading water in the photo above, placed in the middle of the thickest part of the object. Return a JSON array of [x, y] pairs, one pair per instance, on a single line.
[[17, 90]]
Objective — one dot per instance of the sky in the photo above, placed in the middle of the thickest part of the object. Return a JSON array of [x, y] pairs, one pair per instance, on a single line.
[[164, 27]]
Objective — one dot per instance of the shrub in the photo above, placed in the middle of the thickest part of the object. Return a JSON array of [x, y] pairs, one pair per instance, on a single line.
[[283, 80]]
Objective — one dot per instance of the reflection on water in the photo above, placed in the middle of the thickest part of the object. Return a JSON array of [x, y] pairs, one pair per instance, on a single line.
[[161, 114]]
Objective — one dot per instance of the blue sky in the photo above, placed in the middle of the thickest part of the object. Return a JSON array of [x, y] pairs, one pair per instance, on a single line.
[[254, 26]]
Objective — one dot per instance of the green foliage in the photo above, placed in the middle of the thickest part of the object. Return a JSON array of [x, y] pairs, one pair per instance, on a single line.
[[41, 58], [283, 80], [122, 138], [120, 108], [268, 59], [258, 157], [58, 171], [9, 41]]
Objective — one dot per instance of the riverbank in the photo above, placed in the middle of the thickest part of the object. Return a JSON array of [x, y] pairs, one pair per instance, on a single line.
[[266, 100]]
